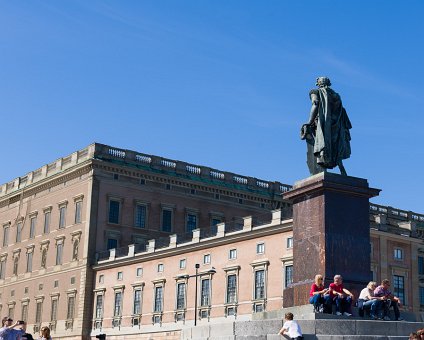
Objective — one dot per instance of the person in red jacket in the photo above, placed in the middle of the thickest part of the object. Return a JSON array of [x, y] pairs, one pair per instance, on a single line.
[[340, 296]]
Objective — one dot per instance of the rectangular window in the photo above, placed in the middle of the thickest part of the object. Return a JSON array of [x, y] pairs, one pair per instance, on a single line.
[[260, 248], [160, 268], [2, 269], [53, 316], [181, 295], [183, 263], [137, 302], [205, 293], [259, 284], [191, 222], [19, 232], [288, 275], [118, 304], [112, 243], [207, 259], [11, 313], [158, 299], [139, 272], [399, 287], [32, 225], [29, 262], [422, 296], [420, 265], [232, 254], [15, 265], [114, 207], [59, 253], [38, 311], [289, 242], [5, 236], [62, 215], [78, 210], [71, 307], [231, 288], [120, 276], [167, 220], [24, 315], [99, 306], [140, 216], [398, 254], [47, 216]]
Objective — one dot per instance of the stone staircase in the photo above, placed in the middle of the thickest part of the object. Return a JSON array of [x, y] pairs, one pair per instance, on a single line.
[[320, 329], [265, 326]]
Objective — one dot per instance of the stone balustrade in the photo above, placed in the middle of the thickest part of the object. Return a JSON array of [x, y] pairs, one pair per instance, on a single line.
[[219, 231], [48, 170]]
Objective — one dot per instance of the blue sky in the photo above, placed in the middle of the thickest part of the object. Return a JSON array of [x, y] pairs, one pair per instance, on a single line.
[[218, 83]]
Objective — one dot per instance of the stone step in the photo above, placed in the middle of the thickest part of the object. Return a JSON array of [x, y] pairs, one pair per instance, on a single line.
[[330, 327], [305, 312], [312, 330]]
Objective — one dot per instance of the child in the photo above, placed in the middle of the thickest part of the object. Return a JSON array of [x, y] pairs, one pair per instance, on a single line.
[[291, 327]]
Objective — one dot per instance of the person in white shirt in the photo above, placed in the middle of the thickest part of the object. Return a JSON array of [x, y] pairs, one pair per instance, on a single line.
[[291, 327]]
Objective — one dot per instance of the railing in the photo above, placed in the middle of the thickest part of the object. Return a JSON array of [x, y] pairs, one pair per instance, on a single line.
[[101, 151], [103, 255], [208, 232], [396, 213], [235, 225], [140, 248], [121, 252]]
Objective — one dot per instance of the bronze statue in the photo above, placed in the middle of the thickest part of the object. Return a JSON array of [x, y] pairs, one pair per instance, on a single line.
[[327, 131]]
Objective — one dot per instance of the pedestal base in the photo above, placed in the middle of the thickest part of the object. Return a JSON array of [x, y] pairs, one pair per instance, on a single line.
[[331, 233]]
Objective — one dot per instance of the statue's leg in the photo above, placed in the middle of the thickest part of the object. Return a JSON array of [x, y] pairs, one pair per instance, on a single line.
[[342, 168]]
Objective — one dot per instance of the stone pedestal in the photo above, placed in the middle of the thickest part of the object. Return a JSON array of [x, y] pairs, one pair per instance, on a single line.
[[331, 233]]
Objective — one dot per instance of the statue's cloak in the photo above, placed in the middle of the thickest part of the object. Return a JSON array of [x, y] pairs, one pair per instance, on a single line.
[[332, 138]]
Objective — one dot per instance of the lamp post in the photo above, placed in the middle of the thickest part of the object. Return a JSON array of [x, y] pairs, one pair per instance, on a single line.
[[196, 275], [195, 295]]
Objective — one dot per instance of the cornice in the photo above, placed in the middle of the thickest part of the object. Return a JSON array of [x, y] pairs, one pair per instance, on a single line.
[[48, 182]]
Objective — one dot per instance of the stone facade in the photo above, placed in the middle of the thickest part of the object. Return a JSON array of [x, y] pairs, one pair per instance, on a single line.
[[58, 220]]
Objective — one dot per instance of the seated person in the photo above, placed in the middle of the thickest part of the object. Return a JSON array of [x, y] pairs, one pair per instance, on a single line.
[[367, 300], [317, 295], [340, 296], [389, 300]]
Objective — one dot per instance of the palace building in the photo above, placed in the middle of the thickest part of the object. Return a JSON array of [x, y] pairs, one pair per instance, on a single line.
[[127, 244]]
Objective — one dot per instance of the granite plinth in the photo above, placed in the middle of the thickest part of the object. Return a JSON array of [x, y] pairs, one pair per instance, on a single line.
[[330, 232]]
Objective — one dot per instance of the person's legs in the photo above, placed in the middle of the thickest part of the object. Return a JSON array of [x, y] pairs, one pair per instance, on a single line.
[[395, 306], [314, 300], [370, 304], [346, 304], [328, 304], [338, 301]]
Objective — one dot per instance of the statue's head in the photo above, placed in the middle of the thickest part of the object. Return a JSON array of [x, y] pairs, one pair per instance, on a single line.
[[323, 82]]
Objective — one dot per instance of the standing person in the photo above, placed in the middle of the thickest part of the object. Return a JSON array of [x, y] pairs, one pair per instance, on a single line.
[[368, 300], [389, 300], [317, 295], [45, 333], [8, 331], [327, 132], [291, 327], [341, 296]]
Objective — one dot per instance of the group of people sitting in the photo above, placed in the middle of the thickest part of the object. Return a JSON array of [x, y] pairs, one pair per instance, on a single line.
[[378, 299]]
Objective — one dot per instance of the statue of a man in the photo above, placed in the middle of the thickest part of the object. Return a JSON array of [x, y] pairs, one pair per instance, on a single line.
[[327, 131]]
